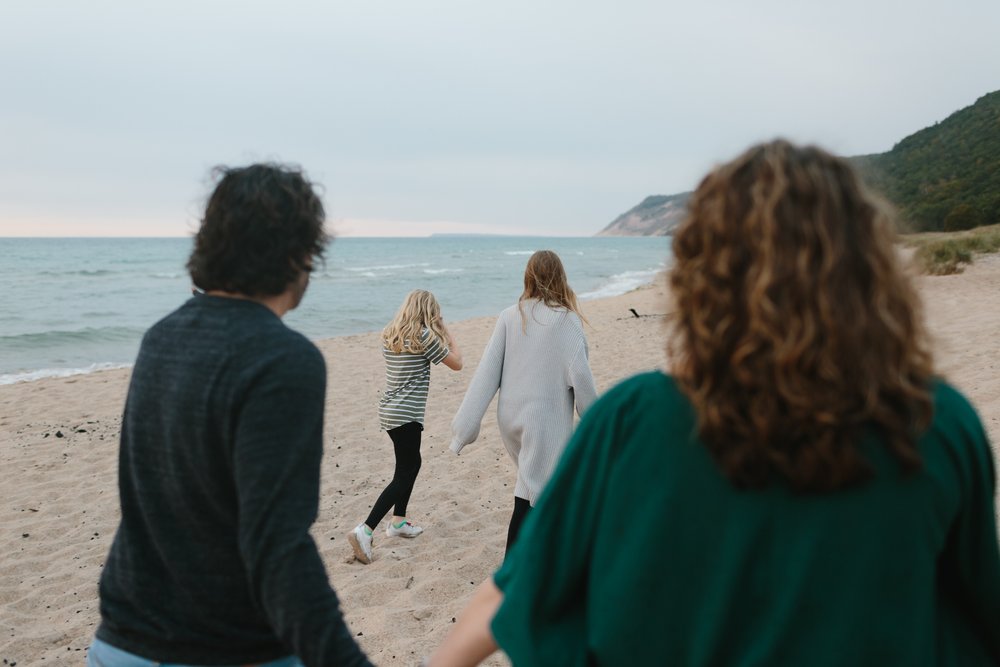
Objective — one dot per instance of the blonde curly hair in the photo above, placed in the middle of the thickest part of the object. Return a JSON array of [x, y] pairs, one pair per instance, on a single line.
[[420, 310]]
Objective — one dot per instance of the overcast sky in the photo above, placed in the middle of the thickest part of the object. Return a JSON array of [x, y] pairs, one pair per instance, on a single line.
[[542, 116]]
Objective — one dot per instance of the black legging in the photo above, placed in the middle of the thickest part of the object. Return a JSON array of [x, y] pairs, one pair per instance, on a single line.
[[521, 507], [406, 443]]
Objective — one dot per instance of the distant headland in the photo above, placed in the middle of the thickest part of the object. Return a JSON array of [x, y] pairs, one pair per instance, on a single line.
[[945, 177]]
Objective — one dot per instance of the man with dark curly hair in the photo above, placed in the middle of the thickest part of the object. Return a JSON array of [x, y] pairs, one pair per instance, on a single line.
[[220, 454]]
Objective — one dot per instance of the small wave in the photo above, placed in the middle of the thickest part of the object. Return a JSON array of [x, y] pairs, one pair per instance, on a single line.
[[621, 283], [100, 314], [333, 275], [435, 272], [385, 267], [30, 376], [170, 275], [56, 338], [519, 252], [83, 272]]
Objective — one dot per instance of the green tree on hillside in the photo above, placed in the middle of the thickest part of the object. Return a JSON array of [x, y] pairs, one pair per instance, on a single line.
[[962, 217], [946, 176]]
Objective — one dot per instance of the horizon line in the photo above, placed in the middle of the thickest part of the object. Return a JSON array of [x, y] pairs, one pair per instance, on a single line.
[[334, 237]]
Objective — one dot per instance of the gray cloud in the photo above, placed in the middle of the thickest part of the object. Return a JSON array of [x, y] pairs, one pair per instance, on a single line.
[[553, 116]]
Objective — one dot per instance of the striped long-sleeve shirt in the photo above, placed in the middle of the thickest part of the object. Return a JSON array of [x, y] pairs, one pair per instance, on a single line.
[[407, 381], [540, 370]]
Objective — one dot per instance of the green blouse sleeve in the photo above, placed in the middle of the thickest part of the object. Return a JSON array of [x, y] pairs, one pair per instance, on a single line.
[[970, 564], [542, 620]]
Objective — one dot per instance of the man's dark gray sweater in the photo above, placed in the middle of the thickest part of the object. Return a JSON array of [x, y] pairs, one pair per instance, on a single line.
[[221, 445]]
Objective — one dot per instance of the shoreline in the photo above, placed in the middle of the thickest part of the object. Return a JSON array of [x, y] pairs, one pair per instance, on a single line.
[[78, 307], [60, 448], [35, 375]]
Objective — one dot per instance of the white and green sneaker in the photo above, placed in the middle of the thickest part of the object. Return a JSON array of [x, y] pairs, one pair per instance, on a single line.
[[404, 529], [361, 541]]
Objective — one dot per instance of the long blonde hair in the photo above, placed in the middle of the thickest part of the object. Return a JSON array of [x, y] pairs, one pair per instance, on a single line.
[[796, 328], [420, 310], [545, 280]]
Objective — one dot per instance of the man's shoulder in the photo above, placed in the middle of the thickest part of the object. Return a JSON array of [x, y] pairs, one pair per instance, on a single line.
[[176, 316], [278, 355], [290, 346], [237, 328]]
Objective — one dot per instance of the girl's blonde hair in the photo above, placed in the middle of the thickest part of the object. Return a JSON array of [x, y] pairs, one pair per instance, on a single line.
[[420, 310], [545, 280]]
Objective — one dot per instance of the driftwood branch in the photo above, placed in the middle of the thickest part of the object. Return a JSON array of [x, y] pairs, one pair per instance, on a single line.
[[636, 315]]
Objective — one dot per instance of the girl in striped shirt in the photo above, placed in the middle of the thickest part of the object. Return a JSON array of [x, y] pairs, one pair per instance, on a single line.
[[416, 338]]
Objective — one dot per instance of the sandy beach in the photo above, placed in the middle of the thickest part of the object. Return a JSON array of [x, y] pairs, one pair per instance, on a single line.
[[59, 509]]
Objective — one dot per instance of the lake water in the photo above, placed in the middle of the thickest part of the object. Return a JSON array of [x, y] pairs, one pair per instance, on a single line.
[[76, 305]]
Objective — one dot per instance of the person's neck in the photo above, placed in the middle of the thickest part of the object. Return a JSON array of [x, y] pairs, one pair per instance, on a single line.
[[279, 304]]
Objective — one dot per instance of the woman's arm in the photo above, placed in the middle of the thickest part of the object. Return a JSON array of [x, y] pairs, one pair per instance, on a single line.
[[484, 386], [971, 554], [470, 641], [582, 380]]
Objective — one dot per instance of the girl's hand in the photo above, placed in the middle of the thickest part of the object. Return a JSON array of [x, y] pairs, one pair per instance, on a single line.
[[454, 358]]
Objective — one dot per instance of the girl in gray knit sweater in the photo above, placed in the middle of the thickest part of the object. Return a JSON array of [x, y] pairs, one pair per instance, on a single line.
[[537, 359]]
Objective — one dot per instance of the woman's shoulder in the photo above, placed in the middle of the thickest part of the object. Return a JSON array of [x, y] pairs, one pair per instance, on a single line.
[[512, 313], [550, 314], [649, 391], [948, 397], [656, 384], [643, 406], [953, 412], [409, 347], [956, 445]]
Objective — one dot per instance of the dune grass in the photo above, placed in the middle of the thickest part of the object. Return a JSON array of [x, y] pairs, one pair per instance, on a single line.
[[945, 253]]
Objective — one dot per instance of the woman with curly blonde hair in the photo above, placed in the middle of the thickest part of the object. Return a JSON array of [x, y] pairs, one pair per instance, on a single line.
[[802, 490], [415, 339]]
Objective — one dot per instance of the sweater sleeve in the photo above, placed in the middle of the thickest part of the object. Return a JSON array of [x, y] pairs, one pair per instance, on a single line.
[[276, 462], [484, 386], [581, 379], [971, 559]]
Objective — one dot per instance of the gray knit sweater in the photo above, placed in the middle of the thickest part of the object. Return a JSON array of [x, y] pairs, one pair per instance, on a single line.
[[540, 373]]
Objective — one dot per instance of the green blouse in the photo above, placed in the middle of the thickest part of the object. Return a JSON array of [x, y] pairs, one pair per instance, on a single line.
[[640, 552]]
